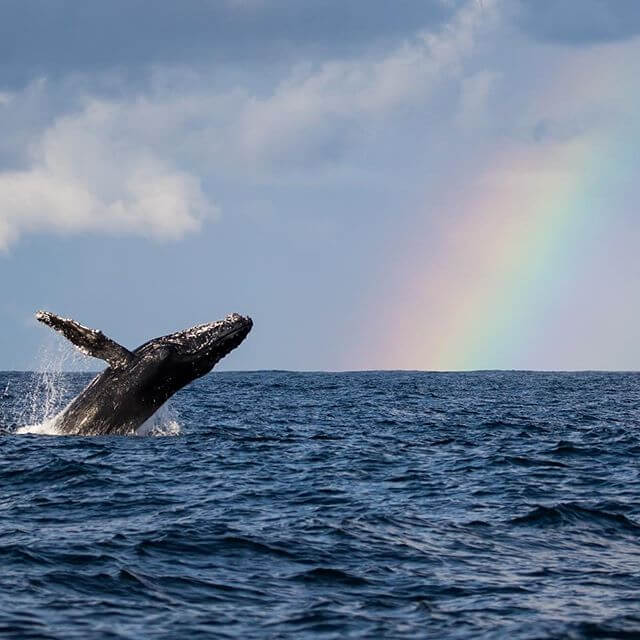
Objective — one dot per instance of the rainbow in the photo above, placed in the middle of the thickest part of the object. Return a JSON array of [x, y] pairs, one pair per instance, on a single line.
[[489, 292], [494, 270]]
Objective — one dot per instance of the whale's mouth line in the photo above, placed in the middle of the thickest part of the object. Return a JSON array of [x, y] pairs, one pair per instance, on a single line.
[[235, 332]]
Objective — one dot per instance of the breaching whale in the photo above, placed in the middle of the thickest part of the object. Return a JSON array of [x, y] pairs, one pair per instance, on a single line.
[[137, 383]]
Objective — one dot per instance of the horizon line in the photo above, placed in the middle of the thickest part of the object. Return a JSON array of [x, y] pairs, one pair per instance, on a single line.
[[355, 371]]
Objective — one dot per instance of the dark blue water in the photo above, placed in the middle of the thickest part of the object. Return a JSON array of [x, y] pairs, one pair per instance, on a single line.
[[374, 505]]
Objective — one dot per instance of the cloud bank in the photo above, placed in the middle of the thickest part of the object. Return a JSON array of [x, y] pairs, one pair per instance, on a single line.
[[141, 163], [86, 149], [54, 38]]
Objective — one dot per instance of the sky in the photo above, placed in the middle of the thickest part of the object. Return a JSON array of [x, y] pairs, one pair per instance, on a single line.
[[417, 184]]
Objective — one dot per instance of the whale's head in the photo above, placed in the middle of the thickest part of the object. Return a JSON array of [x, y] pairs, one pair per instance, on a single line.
[[201, 347], [181, 357]]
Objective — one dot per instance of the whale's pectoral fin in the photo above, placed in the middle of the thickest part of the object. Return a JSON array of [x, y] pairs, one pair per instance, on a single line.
[[90, 341]]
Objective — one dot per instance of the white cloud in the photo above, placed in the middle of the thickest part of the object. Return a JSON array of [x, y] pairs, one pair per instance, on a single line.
[[311, 106], [89, 174], [136, 165]]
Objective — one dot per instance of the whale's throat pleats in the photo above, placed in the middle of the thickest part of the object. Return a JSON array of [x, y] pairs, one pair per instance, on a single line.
[[91, 342]]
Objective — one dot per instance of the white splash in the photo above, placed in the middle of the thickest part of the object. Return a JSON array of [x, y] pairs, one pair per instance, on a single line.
[[51, 391], [50, 388], [44, 428], [164, 422]]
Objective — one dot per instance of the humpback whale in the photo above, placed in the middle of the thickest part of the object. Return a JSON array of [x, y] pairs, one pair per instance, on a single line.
[[137, 383]]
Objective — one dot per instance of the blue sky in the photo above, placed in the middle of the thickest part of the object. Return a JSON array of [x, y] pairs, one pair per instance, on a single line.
[[318, 165]]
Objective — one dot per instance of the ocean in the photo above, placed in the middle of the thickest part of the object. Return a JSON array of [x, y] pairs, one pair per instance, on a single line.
[[328, 505]]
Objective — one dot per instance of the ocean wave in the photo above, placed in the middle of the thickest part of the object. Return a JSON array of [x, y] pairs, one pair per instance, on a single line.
[[571, 513], [329, 575]]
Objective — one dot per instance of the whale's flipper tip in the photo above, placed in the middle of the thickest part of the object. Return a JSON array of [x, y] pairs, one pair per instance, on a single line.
[[91, 342], [45, 317]]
